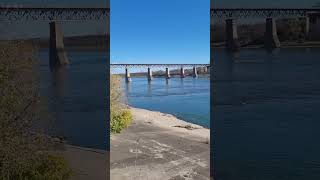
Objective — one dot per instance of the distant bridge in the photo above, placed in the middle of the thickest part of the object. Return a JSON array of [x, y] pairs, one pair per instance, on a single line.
[[311, 16], [158, 65], [260, 12], [52, 14], [167, 66], [57, 54]]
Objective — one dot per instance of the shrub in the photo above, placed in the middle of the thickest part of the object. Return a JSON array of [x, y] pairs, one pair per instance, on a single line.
[[21, 149], [120, 120], [120, 115], [45, 167]]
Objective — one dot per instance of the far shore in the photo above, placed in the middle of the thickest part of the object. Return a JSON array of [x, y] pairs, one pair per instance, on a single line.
[[138, 75], [288, 44]]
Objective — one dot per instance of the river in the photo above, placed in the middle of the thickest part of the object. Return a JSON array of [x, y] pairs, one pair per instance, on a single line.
[[76, 98], [266, 114], [186, 98]]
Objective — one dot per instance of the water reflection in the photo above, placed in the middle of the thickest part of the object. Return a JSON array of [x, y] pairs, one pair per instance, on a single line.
[[172, 95], [149, 89], [167, 85], [182, 82], [128, 87], [77, 98], [223, 67], [167, 81], [194, 82], [262, 99], [273, 51], [59, 76], [58, 94]]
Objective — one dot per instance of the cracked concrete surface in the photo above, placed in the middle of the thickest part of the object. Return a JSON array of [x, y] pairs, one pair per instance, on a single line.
[[145, 151], [86, 163]]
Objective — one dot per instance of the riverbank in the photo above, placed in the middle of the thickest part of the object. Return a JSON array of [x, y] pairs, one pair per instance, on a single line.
[[160, 146], [88, 42], [287, 44], [85, 163]]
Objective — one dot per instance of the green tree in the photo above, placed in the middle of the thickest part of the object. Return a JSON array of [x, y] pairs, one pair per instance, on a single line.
[[24, 153]]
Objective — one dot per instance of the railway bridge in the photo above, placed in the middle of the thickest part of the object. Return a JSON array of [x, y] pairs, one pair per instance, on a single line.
[[54, 16], [166, 66], [230, 15]]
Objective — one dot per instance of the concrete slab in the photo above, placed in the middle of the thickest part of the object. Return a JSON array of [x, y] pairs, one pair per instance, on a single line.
[[145, 151], [87, 163]]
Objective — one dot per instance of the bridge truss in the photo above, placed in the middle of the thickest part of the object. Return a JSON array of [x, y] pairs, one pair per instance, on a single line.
[[260, 12], [52, 14], [158, 65]]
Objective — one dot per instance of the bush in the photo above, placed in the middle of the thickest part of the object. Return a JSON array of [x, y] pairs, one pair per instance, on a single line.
[[120, 115], [120, 120], [21, 149], [46, 167]]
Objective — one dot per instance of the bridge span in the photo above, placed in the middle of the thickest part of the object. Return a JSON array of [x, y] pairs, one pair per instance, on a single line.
[[230, 15], [260, 12], [54, 15], [166, 66]]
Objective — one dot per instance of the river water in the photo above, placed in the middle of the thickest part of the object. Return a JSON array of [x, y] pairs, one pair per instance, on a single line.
[[266, 114], [76, 98], [186, 98]]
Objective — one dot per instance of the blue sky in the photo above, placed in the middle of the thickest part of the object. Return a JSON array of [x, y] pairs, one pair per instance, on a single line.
[[160, 31], [263, 3], [63, 3]]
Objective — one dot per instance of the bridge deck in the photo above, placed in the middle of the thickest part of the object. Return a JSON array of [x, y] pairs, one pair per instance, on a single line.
[[52, 13], [157, 65], [260, 12]]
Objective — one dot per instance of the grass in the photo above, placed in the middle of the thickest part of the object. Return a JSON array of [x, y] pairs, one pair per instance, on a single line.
[[24, 154], [121, 116]]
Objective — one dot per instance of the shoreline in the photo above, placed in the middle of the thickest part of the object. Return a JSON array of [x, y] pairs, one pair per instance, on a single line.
[[309, 44], [170, 122], [86, 163], [154, 147]]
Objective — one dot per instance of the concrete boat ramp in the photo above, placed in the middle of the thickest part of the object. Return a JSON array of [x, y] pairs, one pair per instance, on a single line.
[[148, 151]]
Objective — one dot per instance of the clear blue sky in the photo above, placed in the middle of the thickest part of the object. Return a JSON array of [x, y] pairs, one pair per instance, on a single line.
[[263, 3], [160, 31], [61, 3]]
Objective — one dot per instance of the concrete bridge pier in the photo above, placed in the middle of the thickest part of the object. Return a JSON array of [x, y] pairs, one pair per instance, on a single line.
[[167, 73], [149, 74], [232, 40], [128, 77], [195, 73], [57, 54], [313, 26], [205, 69], [271, 36], [307, 27], [182, 75]]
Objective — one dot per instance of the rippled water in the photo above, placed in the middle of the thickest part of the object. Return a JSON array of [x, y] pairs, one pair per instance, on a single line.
[[76, 98], [266, 115], [187, 98]]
